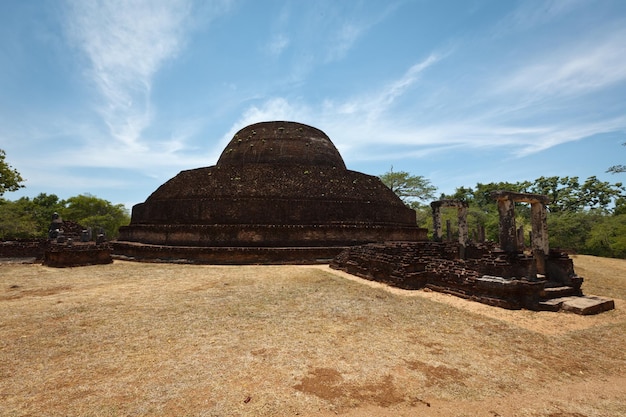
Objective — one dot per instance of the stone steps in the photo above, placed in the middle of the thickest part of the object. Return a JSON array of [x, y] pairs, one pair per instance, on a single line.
[[559, 292]]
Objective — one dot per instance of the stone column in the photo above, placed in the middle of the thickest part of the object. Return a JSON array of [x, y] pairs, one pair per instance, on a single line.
[[463, 232], [540, 245], [437, 230], [520, 238], [508, 232]]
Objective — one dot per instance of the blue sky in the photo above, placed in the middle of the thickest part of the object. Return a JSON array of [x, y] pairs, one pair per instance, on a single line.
[[115, 97]]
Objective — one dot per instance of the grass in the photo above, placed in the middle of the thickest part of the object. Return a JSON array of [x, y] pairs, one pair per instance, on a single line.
[[139, 339]]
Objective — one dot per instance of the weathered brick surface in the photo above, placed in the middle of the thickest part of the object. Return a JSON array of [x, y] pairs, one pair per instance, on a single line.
[[23, 248], [487, 276], [61, 256], [276, 185], [225, 255]]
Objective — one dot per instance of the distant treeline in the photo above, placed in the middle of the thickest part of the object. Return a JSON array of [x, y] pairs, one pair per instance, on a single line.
[[30, 218], [586, 217]]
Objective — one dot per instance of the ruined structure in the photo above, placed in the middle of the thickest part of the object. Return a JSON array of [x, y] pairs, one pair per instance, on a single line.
[[279, 193], [503, 276], [462, 218], [68, 245], [81, 254]]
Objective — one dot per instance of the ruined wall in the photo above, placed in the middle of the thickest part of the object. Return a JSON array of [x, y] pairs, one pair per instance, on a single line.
[[23, 248], [266, 235], [61, 256], [491, 277], [224, 255]]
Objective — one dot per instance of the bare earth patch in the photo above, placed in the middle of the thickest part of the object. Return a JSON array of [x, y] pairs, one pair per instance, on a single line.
[[173, 340]]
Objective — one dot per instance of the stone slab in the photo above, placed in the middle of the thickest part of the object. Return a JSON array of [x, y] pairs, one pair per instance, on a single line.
[[560, 292], [553, 304], [587, 305]]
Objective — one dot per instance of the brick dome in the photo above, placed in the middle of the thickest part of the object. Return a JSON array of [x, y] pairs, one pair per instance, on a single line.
[[281, 143], [276, 184]]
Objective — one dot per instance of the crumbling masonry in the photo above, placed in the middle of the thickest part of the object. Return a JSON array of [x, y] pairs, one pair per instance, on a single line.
[[502, 276]]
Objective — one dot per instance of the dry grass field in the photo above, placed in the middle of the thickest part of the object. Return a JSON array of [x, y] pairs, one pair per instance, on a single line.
[[135, 339]]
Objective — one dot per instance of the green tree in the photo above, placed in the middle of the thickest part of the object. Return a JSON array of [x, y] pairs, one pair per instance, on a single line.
[[412, 189], [570, 229], [567, 194], [16, 221], [28, 218], [90, 211], [607, 237], [10, 179]]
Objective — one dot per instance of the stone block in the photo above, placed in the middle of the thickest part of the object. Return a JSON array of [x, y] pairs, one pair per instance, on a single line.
[[588, 304]]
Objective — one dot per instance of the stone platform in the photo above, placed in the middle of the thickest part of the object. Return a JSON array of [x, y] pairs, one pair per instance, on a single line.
[[487, 275], [225, 255], [63, 256]]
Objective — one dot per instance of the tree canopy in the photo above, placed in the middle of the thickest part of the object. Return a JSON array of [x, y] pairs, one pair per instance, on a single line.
[[30, 218], [10, 179], [585, 216], [412, 189]]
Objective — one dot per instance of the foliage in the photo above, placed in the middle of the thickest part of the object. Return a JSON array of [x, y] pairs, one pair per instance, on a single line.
[[30, 218], [16, 220], [584, 216], [93, 212], [567, 194], [412, 189], [608, 237], [10, 179]]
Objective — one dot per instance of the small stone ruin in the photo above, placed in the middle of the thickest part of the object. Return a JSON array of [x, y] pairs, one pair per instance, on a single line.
[[504, 276], [68, 245]]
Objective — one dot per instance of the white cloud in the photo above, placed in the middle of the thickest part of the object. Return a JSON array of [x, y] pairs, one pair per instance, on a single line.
[[370, 106], [556, 134], [343, 40], [579, 67], [126, 42], [277, 44], [532, 13], [350, 31]]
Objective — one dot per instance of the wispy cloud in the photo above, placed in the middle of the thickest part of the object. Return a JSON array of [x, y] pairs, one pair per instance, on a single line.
[[277, 44], [577, 68], [344, 36], [126, 43], [344, 39], [532, 13], [371, 105], [558, 134]]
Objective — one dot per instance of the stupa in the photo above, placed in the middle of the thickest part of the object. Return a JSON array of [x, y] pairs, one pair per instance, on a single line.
[[279, 193]]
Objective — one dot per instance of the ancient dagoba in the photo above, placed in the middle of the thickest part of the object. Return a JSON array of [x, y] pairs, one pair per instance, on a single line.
[[279, 193]]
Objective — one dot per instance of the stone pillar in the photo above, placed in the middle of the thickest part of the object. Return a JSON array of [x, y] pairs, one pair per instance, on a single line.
[[462, 219], [437, 230], [508, 232], [539, 244], [463, 232], [520, 238]]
